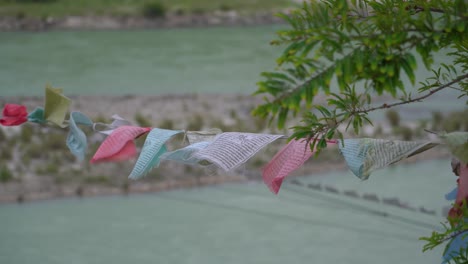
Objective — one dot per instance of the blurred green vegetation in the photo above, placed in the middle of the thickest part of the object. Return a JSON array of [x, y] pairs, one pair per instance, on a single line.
[[154, 10], [97, 179], [61, 8], [454, 121], [393, 118], [166, 124], [195, 123], [5, 174], [142, 120], [48, 169]]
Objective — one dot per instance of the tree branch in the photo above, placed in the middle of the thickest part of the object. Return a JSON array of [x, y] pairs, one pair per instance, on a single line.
[[454, 235], [418, 9], [417, 99]]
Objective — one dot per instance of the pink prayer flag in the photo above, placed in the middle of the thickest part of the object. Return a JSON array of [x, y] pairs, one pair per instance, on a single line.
[[288, 159], [463, 186], [119, 145], [462, 194]]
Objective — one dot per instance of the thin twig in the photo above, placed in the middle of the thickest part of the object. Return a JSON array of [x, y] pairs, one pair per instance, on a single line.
[[418, 9], [454, 235], [431, 132], [417, 99]]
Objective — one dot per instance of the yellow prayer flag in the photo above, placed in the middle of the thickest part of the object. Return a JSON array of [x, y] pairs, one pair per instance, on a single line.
[[56, 106]]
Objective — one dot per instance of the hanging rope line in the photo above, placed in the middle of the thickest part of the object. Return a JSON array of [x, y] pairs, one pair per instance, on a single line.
[[337, 204], [354, 206], [276, 216]]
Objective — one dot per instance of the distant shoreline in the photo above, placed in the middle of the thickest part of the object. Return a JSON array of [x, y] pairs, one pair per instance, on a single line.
[[101, 191], [93, 191], [215, 19]]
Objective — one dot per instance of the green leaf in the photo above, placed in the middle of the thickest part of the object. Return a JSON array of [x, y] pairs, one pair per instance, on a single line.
[[323, 110], [300, 134], [322, 143], [309, 95], [283, 114], [357, 124], [367, 120], [287, 18], [310, 45], [341, 137], [337, 103], [278, 75], [330, 134]]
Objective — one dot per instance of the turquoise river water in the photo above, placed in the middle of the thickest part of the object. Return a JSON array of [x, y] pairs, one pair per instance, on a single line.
[[237, 223], [205, 60], [136, 62]]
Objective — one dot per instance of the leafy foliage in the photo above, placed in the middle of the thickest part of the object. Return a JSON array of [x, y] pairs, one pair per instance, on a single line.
[[366, 47], [454, 228], [462, 258]]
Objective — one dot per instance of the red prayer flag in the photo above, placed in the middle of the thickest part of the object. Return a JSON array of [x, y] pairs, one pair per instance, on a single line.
[[14, 115]]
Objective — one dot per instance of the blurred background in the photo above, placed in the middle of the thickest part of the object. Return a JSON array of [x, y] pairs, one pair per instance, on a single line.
[[192, 65]]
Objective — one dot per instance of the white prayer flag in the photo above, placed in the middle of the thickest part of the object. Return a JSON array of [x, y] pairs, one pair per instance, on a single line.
[[232, 149]]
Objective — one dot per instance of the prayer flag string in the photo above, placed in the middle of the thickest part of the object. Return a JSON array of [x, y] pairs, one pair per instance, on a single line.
[[226, 150]]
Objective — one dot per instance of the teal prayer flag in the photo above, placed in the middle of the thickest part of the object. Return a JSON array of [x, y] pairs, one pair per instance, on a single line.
[[76, 139], [37, 116], [367, 154], [152, 150]]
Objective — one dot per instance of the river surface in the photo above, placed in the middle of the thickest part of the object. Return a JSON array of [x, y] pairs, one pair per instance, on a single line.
[[176, 61], [237, 223], [136, 62]]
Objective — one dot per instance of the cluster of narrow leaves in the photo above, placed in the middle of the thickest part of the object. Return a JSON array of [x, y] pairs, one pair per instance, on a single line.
[[365, 47], [456, 227], [461, 258]]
